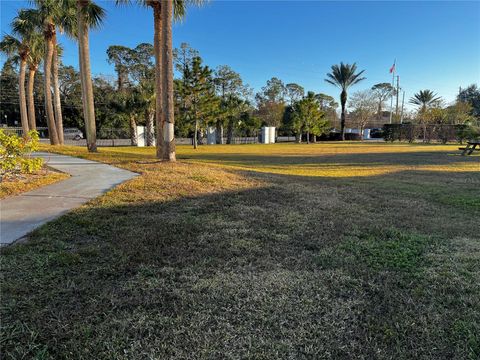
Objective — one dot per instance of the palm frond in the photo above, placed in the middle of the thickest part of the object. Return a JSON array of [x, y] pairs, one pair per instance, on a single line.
[[27, 22], [344, 75], [424, 98], [10, 45], [36, 49], [94, 15]]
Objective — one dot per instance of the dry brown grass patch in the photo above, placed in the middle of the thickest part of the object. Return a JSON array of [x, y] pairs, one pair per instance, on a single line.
[[20, 183]]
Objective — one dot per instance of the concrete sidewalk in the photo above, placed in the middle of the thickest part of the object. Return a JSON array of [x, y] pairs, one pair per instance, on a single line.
[[21, 214]]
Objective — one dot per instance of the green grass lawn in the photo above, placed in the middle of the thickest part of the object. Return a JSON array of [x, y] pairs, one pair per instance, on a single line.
[[321, 251]]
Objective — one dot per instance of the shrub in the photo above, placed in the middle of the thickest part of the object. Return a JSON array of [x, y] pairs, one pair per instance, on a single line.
[[15, 153], [429, 132], [467, 132]]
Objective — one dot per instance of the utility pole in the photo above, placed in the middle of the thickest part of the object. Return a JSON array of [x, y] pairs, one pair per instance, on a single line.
[[398, 90], [391, 97], [401, 113]]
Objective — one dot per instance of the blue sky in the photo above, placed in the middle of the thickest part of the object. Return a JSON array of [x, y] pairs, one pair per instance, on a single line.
[[436, 44]]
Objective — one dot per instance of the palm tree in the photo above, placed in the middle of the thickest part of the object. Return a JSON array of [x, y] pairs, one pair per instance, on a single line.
[[343, 76], [47, 13], [147, 96], [23, 25], [163, 11], [168, 120], [424, 99], [15, 47], [37, 51], [57, 105], [88, 15]]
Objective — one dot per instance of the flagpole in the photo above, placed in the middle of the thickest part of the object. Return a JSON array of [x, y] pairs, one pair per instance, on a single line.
[[398, 94], [393, 86]]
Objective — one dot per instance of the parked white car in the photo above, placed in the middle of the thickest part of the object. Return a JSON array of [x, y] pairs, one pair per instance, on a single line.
[[72, 134]]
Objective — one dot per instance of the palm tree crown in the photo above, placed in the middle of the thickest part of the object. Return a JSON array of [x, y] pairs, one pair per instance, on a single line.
[[425, 98], [343, 76], [179, 6], [11, 46]]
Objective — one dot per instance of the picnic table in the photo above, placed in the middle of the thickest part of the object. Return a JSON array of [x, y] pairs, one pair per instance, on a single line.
[[471, 145]]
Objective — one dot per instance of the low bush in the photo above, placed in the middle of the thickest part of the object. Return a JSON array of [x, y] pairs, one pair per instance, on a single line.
[[431, 132], [15, 153]]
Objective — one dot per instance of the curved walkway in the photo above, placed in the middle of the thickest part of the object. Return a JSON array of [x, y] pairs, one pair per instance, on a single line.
[[21, 214]]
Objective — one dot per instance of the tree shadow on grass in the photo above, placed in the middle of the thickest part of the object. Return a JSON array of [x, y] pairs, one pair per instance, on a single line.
[[277, 271], [358, 159]]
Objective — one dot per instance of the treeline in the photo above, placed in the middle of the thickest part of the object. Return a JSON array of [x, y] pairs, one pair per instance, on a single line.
[[206, 97], [203, 97]]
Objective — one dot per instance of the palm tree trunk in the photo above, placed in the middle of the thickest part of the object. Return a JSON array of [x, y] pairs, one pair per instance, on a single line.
[[379, 110], [219, 132], [86, 78], [133, 131], [157, 48], [149, 120], [343, 100], [56, 93], [31, 102], [47, 70], [22, 98], [167, 80]]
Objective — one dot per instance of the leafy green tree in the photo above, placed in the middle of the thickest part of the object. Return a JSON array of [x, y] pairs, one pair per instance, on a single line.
[[9, 111], [344, 76], [364, 105], [294, 92], [129, 104], [329, 107], [231, 89], [183, 58], [135, 81], [271, 113], [308, 118], [71, 96], [236, 107], [111, 120], [274, 91], [460, 114], [121, 58], [199, 93], [271, 102], [382, 91], [471, 95], [248, 123], [143, 74]]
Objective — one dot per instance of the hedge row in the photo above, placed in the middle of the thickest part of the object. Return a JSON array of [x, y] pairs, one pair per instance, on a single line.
[[433, 132]]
